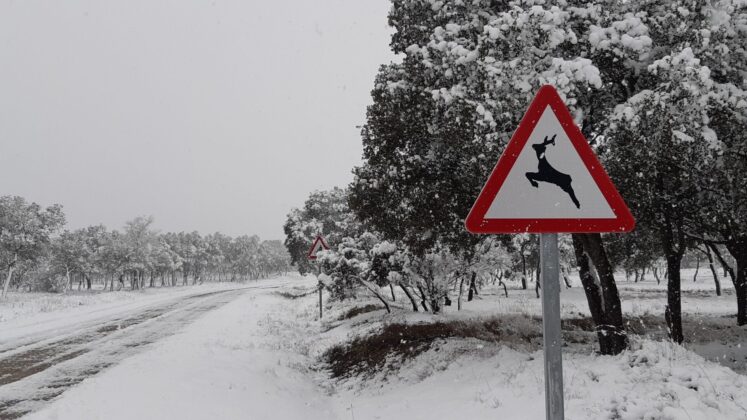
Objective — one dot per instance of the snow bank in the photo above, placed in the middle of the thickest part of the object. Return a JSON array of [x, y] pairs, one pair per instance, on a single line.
[[471, 379]]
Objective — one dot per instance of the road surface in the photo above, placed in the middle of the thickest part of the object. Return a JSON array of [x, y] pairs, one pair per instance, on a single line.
[[35, 370]]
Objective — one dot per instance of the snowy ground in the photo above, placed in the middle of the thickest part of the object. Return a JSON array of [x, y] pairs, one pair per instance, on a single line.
[[259, 356]]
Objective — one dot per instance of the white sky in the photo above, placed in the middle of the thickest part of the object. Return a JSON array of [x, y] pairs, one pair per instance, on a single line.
[[208, 115]]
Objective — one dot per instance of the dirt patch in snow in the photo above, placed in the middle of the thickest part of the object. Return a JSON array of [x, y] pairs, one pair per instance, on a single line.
[[357, 311], [295, 294], [395, 343]]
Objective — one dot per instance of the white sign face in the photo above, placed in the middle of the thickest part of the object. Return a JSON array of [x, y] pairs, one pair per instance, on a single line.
[[549, 180]]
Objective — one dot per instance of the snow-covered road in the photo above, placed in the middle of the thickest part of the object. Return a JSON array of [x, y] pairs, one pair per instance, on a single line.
[[37, 368]]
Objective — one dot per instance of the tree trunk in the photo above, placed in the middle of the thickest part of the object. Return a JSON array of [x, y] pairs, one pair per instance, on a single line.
[[565, 278], [537, 280], [674, 249], [741, 291], [611, 330], [472, 288], [11, 268], [461, 291], [409, 296], [69, 279], [372, 287], [422, 298], [713, 270], [697, 268], [738, 250], [88, 281], [656, 275], [592, 289], [523, 270], [726, 267], [391, 288], [673, 311], [435, 304]]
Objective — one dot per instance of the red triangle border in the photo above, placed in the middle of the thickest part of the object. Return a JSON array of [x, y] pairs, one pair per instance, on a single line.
[[318, 239], [476, 221]]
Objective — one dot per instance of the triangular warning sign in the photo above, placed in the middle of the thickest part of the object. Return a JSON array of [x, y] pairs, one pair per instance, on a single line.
[[548, 180], [317, 246]]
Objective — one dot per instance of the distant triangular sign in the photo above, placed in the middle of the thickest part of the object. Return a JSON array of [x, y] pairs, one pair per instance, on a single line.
[[548, 180], [317, 246]]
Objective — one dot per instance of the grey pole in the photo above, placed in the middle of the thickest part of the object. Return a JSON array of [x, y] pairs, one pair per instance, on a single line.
[[319, 267], [551, 338]]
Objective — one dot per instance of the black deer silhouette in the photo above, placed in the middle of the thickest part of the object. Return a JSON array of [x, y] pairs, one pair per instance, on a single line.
[[546, 173]]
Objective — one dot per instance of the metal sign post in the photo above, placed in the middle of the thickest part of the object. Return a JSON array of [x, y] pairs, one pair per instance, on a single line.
[[319, 273], [318, 245], [549, 181], [551, 338]]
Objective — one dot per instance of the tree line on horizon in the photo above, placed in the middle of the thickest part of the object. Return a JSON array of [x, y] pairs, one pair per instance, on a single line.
[[37, 254], [658, 89]]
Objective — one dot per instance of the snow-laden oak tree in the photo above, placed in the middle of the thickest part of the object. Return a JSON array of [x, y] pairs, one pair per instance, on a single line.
[[676, 145], [442, 116], [37, 259], [77, 253], [358, 257], [657, 166], [25, 231], [324, 213]]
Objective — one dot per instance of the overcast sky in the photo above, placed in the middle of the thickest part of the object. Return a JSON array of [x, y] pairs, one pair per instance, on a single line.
[[208, 115]]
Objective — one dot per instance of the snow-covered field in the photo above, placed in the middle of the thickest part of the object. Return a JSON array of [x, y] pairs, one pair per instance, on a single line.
[[261, 357]]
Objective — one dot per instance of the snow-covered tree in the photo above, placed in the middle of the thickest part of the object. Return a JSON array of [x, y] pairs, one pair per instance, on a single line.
[[25, 230], [441, 117], [347, 263], [324, 213], [668, 142]]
